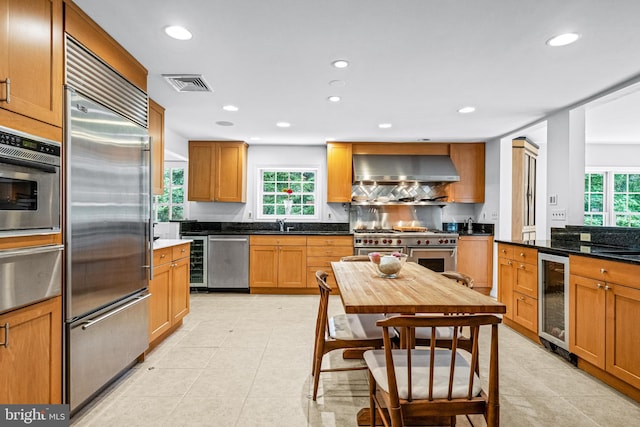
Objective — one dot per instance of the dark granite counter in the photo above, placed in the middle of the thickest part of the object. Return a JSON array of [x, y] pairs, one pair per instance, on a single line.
[[196, 228], [568, 247]]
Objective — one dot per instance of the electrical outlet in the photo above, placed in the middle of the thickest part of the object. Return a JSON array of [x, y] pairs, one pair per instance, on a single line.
[[553, 199], [249, 214], [585, 237], [494, 215], [558, 214], [329, 215]]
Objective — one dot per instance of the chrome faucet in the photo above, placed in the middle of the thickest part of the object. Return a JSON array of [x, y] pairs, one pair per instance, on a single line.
[[280, 222]]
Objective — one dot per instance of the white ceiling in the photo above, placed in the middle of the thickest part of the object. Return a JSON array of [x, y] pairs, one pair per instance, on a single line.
[[413, 64]]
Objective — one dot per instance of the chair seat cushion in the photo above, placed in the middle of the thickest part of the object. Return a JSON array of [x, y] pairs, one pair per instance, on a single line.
[[355, 326], [375, 360]]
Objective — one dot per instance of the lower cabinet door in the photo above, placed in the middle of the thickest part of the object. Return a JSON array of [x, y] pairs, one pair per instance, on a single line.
[[179, 289], [525, 311], [623, 310], [587, 319], [160, 301], [31, 354]]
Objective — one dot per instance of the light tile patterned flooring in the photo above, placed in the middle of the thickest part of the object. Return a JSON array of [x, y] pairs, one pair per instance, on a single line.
[[245, 360]]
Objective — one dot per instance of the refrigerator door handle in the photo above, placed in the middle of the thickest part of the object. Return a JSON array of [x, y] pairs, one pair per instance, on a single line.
[[149, 150], [90, 323]]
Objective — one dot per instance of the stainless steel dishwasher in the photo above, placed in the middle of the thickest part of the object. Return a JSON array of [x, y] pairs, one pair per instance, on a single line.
[[228, 263]]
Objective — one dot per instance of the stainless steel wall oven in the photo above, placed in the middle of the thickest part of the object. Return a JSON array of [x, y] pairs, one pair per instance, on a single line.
[[29, 184]]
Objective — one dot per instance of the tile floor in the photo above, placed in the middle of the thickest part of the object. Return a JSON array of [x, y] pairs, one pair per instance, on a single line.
[[245, 360]]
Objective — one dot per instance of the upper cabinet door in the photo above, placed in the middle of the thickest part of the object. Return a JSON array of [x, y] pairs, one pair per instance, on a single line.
[[31, 58], [231, 172], [469, 161], [339, 172], [156, 132], [202, 156]]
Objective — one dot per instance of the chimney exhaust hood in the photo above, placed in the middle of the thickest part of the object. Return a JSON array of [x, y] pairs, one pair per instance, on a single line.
[[398, 168]]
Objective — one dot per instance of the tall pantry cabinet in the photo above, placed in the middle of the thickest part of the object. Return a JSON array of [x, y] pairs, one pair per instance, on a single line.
[[523, 212]]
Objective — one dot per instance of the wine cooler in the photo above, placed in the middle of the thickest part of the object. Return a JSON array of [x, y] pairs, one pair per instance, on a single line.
[[198, 270], [553, 301]]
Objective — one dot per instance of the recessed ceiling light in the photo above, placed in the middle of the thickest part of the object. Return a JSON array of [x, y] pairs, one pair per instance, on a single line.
[[334, 98], [337, 83], [283, 124], [177, 32], [224, 123], [340, 63], [563, 39], [465, 110], [385, 125], [230, 108]]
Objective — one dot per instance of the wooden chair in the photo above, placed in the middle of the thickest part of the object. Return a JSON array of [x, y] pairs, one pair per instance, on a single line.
[[415, 383], [340, 332], [443, 335], [461, 278]]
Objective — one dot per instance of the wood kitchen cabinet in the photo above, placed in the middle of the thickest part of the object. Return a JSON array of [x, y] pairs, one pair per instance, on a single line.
[[82, 28], [156, 132], [31, 55], [469, 161], [604, 307], [277, 262], [523, 213], [518, 287], [339, 172], [321, 252], [31, 354], [475, 258], [217, 171], [169, 301]]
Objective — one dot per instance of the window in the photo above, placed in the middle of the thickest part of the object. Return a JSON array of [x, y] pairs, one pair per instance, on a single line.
[[290, 192], [170, 205], [612, 198], [594, 199]]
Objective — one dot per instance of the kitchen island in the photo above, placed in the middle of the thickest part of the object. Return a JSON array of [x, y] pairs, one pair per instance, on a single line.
[[603, 300]]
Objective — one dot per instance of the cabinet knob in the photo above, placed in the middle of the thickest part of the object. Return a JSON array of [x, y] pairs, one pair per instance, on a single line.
[[504, 251], [521, 298], [510, 263], [521, 266], [603, 270], [163, 256], [607, 287], [184, 250], [599, 285], [522, 254]]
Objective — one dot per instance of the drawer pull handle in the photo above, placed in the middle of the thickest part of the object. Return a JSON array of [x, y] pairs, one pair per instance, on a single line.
[[607, 287], [599, 285], [522, 254], [603, 270], [521, 266], [521, 298], [7, 99], [5, 344], [163, 256]]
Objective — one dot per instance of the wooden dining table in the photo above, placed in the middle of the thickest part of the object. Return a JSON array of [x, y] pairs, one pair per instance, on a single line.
[[416, 289]]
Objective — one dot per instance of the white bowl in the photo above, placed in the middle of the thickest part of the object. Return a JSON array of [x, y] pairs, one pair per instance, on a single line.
[[388, 265]]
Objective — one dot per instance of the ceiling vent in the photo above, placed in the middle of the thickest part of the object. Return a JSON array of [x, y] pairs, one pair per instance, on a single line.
[[187, 82]]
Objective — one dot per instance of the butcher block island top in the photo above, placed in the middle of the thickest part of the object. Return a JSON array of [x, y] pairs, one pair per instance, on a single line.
[[416, 290]]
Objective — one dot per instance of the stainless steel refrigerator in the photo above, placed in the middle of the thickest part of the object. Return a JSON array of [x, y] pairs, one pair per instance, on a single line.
[[107, 228]]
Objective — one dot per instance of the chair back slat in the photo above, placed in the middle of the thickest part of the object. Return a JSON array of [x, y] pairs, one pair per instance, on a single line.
[[432, 358], [475, 331], [452, 362]]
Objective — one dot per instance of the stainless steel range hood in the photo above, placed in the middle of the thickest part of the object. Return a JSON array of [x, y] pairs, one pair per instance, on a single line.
[[398, 168]]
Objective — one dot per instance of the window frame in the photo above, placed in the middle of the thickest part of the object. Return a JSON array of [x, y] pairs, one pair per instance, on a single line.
[[171, 204], [260, 193], [609, 213]]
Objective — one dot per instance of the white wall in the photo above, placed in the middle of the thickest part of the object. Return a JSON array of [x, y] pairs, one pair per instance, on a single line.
[[612, 156]]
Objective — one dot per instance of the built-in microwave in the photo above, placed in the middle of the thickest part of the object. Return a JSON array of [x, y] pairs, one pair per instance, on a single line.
[[29, 184]]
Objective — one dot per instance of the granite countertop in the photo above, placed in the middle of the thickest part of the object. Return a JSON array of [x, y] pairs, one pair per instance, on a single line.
[[272, 232], [562, 247]]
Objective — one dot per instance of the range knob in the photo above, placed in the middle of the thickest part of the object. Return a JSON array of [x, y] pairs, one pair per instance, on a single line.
[[426, 242], [399, 241], [419, 241], [440, 241], [446, 241], [384, 241], [375, 242]]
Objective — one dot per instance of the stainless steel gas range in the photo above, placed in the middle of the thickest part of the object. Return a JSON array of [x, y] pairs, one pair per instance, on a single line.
[[434, 249]]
